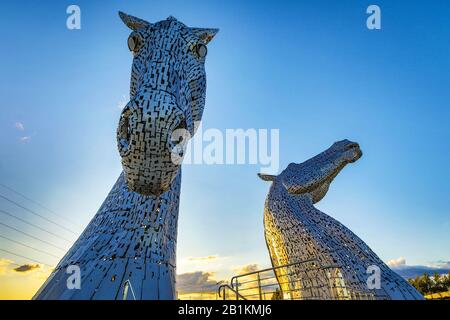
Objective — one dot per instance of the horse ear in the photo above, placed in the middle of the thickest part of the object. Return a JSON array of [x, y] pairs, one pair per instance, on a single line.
[[206, 34], [267, 177], [132, 22]]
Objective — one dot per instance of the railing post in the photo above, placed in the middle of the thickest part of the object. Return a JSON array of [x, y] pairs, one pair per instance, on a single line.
[[259, 286], [127, 285], [125, 291], [237, 289]]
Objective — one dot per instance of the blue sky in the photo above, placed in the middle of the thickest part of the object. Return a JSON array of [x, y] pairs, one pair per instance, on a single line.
[[311, 69]]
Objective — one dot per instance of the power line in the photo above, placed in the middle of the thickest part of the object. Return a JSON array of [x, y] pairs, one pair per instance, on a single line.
[[33, 225], [36, 214], [24, 257], [29, 235], [40, 205], [28, 246]]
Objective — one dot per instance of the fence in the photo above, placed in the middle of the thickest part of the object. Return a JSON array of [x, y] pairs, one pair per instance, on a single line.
[[305, 280]]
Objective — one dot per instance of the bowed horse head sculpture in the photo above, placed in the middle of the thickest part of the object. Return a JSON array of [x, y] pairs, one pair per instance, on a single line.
[[314, 176], [167, 98], [131, 241], [301, 236]]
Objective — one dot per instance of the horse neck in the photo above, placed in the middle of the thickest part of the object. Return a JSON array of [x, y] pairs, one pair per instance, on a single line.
[[153, 219]]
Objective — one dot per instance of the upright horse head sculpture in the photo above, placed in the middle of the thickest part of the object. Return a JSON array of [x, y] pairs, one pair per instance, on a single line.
[[167, 93], [131, 241]]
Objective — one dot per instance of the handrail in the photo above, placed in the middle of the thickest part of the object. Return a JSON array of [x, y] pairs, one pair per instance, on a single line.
[[223, 286], [262, 283], [126, 285], [271, 269]]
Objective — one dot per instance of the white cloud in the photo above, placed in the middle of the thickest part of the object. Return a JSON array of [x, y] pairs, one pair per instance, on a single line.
[[25, 138], [205, 258], [5, 265], [19, 126], [251, 267], [442, 264], [198, 281], [400, 266], [9, 267], [395, 263]]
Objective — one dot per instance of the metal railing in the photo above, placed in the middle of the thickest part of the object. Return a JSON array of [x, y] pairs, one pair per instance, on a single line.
[[225, 289], [127, 286], [305, 280]]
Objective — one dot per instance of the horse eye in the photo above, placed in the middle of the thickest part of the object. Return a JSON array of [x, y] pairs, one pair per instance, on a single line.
[[134, 42], [201, 50]]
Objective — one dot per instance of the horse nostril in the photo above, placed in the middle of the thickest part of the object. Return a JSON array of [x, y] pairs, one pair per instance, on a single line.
[[181, 125], [124, 132], [180, 130]]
